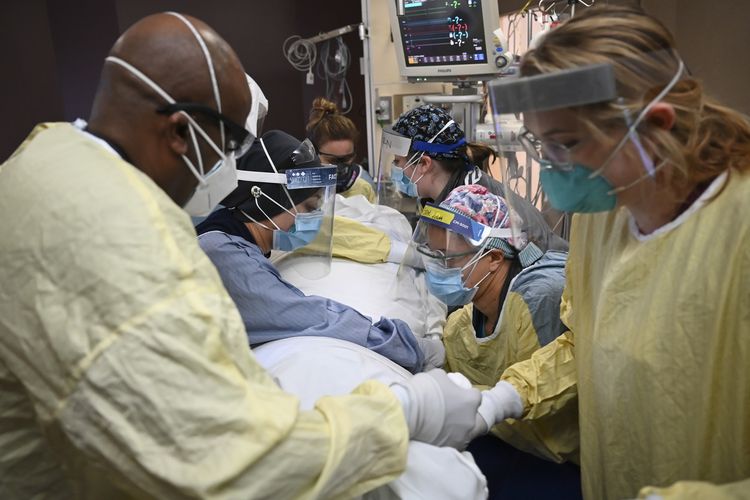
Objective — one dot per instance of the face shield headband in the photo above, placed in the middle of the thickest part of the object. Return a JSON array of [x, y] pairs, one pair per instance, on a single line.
[[292, 178], [404, 183], [573, 186], [475, 233]]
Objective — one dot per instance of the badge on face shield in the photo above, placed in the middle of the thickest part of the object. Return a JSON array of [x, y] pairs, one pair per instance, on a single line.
[[316, 177]]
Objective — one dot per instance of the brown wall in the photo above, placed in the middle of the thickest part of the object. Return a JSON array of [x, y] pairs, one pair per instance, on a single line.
[[713, 39], [29, 85], [53, 51]]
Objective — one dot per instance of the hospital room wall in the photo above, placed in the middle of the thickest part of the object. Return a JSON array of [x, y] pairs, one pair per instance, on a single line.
[[713, 39], [710, 35], [53, 52], [41, 82]]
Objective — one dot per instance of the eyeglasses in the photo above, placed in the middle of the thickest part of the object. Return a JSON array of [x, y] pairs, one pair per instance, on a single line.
[[240, 139], [549, 154], [339, 159], [442, 256]]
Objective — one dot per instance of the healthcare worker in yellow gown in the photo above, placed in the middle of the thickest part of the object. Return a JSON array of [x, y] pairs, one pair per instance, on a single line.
[[508, 293], [124, 365], [657, 298], [334, 136]]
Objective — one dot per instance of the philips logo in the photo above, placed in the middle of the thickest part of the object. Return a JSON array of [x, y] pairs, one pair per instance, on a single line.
[[444, 70]]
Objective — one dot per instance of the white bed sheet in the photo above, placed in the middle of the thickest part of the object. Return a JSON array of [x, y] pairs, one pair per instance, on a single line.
[[312, 367], [375, 290]]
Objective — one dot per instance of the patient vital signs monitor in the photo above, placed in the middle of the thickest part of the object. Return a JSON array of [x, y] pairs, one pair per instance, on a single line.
[[447, 40]]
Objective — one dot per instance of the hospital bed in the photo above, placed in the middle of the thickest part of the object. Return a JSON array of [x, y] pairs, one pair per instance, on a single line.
[[312, 367]]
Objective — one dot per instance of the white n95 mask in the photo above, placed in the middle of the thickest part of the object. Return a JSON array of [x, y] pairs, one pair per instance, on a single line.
[[213, 187]]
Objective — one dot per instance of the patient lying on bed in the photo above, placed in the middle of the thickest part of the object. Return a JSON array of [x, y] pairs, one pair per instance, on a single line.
[[311, 367]]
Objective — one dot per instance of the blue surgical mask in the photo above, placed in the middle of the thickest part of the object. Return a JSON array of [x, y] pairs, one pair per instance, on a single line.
[[576, 190], [305, 229], [403, 183], [447, 284]]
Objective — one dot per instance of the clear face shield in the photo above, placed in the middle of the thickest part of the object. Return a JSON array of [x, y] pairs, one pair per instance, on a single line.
[[258, 108], [310, 239], [398, 172], [392, 145], [448, 246], [580, 126]]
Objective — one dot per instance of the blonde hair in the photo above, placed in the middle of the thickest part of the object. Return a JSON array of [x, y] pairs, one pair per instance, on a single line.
[[706, 139], [327, 124]]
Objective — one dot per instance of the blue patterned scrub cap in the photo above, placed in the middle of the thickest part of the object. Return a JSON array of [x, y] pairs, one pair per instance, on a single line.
[[422, 124]]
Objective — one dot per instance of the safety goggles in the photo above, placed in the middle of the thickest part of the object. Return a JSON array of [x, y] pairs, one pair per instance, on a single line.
[[239, 138], [335, 160]]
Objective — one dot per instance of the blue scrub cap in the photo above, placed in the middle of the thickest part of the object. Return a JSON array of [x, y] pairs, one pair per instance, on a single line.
[[422, 124]]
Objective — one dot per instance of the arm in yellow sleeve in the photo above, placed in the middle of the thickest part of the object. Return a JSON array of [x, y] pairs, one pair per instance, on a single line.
[[130, 362], [171, 406], [355, 241], [739, 490], [547, 385], [546, 382], [361, 187]]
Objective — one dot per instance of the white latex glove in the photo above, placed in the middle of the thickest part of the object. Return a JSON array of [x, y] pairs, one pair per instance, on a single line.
[[438, 411], [499, 403], [434, 352]]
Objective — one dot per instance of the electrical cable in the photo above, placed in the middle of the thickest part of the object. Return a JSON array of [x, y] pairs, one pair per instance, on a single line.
[[300, 53], [333, 65]]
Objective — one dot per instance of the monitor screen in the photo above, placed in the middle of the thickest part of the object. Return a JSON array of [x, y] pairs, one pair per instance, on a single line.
[[443, 32]]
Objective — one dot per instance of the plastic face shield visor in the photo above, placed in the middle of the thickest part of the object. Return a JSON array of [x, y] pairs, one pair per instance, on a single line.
[[535, 98], [445, 240], [392, 145], [449, 238], [557, 108], [313, 261]]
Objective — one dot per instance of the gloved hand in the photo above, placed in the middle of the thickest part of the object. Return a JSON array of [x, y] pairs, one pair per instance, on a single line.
[[437, 410], [434, 352], [499, 403]]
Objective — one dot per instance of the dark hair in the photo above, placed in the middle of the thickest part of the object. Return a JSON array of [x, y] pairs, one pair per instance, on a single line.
[[478, 155], [327, 124]]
